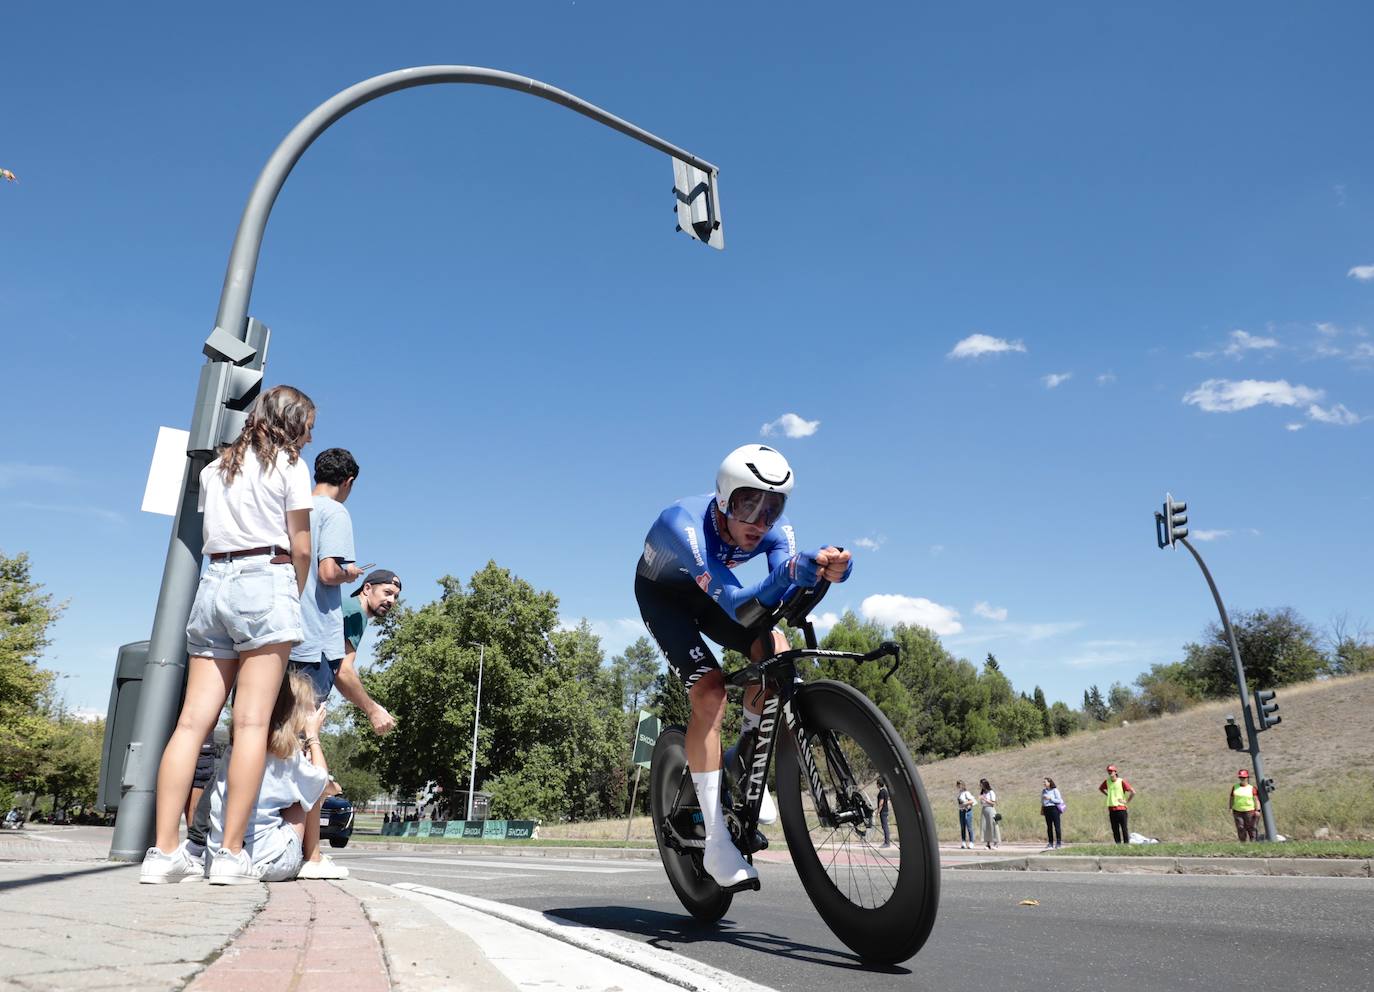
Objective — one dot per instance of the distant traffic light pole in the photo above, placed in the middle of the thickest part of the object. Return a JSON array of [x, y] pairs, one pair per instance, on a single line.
[[231, 379], [1171, 528]]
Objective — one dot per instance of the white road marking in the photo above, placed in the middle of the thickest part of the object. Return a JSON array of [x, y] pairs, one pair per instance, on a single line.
[[531, 864], [663, 968], [433, 874]]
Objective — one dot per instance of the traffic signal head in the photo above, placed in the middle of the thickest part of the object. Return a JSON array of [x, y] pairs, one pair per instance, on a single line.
[[1266, 709], [698, 204], [1175, 518], [1233, 740], [229, 383]]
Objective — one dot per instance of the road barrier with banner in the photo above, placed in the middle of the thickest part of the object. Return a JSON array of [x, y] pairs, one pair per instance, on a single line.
[[471, 829]]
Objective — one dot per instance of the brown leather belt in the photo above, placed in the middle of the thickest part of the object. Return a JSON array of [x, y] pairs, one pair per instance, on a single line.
[[280, 556]]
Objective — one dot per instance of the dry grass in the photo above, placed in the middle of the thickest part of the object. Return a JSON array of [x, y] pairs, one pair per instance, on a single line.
[[1321, 757]]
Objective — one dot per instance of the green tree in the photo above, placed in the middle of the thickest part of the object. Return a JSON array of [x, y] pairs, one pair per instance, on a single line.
[[1168, 688], [1063, 721], [669, 699], [26, 614], [1046, 724], [1094, 706], [343, 741], [1278, 648], [635, 671], [68, 767]]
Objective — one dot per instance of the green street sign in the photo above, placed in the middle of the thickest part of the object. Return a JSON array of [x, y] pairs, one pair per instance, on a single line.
[[646, 736]]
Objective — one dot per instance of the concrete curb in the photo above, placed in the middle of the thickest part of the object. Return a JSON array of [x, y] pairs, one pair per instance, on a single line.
[[1304, 867]]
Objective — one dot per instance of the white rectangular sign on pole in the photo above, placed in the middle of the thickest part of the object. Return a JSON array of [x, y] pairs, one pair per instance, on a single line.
[[165, 474]]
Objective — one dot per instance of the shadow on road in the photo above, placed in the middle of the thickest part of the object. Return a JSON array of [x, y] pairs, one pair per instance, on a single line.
[[56, 876], [669, 931]]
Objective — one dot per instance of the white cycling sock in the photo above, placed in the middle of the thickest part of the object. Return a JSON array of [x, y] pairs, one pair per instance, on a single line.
[[721, 859], [751, 722]]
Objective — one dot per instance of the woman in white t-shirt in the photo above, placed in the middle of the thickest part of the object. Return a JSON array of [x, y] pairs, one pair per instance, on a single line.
[[294, 779], [247, 613], [987, 798]]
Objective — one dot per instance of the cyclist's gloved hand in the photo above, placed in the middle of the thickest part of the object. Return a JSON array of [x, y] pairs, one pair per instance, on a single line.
[[835, 563], [803, 569]]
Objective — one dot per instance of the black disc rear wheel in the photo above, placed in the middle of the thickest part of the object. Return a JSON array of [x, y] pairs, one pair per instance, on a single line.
[[880, 900], [677, 818]]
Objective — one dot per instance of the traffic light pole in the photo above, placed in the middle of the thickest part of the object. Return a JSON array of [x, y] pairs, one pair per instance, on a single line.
[[1251, 731], [165, 674]]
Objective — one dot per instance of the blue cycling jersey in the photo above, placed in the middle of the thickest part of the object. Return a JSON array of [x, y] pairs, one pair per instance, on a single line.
[[684, 547]]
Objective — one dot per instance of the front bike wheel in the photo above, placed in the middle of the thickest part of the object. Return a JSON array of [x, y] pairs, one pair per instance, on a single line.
[[880, 900], [679, 830]]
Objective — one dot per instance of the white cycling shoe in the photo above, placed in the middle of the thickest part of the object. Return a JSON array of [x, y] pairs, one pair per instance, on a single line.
[[726, 865]]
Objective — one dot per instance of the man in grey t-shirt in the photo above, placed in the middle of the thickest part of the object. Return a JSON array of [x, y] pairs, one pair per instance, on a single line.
[[332, 564]]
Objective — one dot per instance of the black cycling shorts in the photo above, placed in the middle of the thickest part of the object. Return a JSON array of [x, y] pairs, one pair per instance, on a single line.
[[677, 616]]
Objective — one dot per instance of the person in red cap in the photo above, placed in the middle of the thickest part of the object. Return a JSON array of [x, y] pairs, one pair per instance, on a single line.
[[1119, 795], [1243, 802]]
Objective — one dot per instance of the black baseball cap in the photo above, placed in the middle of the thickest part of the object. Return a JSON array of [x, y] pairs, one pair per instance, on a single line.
[[377, 577]]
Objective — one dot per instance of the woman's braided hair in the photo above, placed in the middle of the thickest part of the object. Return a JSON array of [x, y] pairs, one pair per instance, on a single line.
[[278, 421]]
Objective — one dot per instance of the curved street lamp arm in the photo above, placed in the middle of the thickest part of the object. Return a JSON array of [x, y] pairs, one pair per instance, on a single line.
[[232, 315]]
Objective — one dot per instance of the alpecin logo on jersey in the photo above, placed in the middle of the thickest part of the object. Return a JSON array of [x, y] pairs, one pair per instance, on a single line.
[[696, 548]]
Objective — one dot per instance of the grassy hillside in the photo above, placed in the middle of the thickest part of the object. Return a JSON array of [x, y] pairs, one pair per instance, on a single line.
[[1321, 757]]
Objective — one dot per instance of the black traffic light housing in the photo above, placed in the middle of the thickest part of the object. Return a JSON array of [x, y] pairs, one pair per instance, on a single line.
[[1233, 739], [1266, 709]]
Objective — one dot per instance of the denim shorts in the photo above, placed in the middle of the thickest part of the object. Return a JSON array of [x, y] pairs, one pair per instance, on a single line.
[[241, 605], [322, 674], [287, 865]]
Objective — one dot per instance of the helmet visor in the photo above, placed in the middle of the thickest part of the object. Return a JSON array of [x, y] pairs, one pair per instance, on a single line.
[[756, 505]]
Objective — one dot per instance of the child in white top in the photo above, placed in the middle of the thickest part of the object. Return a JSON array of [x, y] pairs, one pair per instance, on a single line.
[[256, 499], [294, 779]]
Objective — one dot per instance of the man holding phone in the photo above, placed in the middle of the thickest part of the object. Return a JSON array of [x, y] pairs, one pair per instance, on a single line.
[[321, 650]]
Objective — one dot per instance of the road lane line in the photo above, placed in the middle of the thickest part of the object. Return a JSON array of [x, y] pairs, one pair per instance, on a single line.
[[521, 865], [666, 966]]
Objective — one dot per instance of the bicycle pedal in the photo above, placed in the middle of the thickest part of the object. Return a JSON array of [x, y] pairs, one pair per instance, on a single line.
[[749, 884]]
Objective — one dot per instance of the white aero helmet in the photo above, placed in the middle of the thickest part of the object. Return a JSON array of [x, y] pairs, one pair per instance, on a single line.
[[758, 468]]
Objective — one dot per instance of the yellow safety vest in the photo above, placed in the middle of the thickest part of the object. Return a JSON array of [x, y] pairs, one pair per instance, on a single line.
[[1243, 798], [1116, 793]]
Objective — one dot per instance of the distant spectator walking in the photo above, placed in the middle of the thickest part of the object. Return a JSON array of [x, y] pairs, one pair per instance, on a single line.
[[963, 802], [1119, 795], [992, 833], [246, 616], [1052, 807], [1243, 803], [884, 810]]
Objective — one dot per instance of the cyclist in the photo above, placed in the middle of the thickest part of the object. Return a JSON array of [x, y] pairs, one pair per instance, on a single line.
[[686, 587]]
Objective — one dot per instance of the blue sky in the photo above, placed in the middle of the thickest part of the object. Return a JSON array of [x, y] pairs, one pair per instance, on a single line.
[[1017, 270]]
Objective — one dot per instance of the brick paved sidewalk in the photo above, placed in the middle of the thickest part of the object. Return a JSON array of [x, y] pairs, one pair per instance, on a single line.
[[311, 937]]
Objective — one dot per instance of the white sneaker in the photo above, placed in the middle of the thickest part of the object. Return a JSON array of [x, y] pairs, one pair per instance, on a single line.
[[726, 865], [232, 869], [162, 869], [326, 867]]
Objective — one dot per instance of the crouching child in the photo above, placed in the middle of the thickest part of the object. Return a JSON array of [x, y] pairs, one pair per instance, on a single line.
[[294, 779]]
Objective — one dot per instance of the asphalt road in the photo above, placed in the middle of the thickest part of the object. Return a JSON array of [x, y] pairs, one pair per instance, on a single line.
[[1089, 932]]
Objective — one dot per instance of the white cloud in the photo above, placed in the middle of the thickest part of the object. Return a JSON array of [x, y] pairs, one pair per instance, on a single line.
[[1242, 342], [983, 344], [869, 544], [791, 425], [1056, 379], [1293, 427], [1364, 351], [1228, 396], [1209, 535], [824, 621], [1364, 273], [1106, 378], [19, 473], [990, 612], [1024, 633], [98, 512], [1337, 414], [890, 610]]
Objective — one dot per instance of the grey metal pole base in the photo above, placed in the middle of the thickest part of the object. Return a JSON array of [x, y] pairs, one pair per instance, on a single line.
[[164, 678]]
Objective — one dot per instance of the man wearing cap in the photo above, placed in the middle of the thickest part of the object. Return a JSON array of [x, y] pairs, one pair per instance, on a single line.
[[1243, 802], [373, 599], [1119, 795]]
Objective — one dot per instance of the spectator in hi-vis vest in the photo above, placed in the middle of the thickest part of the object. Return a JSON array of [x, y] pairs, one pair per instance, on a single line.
[[1243, 802], [1119, 794]]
